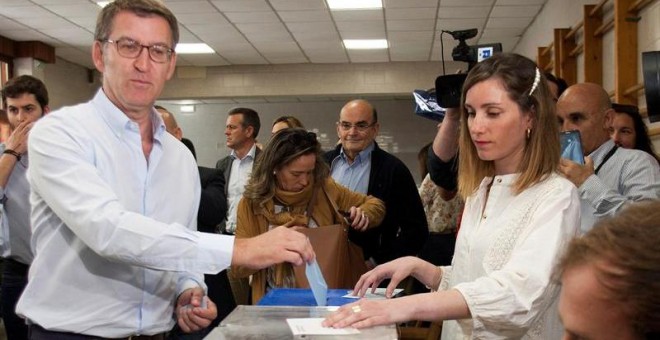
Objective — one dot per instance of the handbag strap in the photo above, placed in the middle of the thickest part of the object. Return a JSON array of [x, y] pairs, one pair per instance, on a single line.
[[335, 208], [310, 205]]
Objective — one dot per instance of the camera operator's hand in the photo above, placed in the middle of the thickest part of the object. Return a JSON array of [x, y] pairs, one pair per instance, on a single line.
[[453, 114], [445, 144]]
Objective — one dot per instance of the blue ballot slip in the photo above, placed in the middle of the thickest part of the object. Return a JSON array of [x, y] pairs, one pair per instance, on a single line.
[[317, 282]]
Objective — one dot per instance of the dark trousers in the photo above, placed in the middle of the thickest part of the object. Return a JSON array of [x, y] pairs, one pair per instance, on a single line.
[[37, 332], [14, 280]]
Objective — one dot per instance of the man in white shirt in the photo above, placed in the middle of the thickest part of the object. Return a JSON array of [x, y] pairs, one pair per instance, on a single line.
[[611, 177], [116, 251], [242, 128], [25, 99]]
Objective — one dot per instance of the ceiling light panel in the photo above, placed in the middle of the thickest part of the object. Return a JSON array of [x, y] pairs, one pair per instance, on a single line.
[[354, 4], [365, 44], [193, 48]]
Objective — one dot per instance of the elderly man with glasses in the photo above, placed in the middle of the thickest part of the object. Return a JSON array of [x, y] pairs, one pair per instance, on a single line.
[[360, 165]]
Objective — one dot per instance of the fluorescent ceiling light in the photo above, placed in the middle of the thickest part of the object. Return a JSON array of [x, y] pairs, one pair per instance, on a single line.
[[193, 49], [103, 3], [365, 44], [187, 108], [354, 4]]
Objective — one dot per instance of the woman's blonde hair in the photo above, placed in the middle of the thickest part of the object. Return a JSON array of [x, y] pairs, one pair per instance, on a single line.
[[541, 155], [285, 147]]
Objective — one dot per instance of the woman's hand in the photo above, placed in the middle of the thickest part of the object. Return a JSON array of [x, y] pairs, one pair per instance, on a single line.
[[370, 313], [359, 220], [395, 270]]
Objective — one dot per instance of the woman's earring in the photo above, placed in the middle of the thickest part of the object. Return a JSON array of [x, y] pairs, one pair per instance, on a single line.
[[275, 173], [529, 132]]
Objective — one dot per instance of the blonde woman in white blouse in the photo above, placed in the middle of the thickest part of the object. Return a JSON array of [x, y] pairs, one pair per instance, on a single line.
[[518, 216]]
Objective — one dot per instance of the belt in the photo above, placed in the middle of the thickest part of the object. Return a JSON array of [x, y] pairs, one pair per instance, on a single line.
[[446, 232], [39, 332], [160, 336]]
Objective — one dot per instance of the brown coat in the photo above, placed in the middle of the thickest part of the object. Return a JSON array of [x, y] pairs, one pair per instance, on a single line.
[[251, 222]]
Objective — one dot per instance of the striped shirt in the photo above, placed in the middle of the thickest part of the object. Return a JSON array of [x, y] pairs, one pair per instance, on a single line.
[[628, 176]]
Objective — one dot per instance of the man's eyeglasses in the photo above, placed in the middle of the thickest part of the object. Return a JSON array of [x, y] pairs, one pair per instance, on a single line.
[[128, 48], [361, 126]]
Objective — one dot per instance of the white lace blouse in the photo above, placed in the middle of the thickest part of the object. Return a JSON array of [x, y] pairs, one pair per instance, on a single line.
[[504, 258]]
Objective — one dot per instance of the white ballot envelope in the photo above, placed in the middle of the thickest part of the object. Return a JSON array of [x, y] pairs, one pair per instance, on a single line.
[[317, 283]]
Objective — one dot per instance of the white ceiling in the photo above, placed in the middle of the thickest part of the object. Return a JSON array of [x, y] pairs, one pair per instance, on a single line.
[[285, 31]]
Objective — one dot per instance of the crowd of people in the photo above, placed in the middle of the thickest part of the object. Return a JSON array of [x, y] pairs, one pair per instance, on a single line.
[[510, 240]]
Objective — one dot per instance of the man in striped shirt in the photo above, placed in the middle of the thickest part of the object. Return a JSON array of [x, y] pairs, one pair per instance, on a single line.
[[611, 177]]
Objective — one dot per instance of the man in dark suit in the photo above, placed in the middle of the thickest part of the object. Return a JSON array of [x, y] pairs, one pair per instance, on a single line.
[[241, 131], [359, 164], [212, 211]]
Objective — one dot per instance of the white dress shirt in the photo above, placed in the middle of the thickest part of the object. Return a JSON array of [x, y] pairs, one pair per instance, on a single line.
[[241, 169], [15, 217], [113, 232], [504, 259], [628, 176]]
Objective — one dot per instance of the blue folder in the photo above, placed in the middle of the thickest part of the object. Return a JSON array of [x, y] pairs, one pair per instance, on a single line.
[[302, 297]]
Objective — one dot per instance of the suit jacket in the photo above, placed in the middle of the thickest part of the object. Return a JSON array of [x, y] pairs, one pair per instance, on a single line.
[[224, 166], [213, 204], [404, 229]]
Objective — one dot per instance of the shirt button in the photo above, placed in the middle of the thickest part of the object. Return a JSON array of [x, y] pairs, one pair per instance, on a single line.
[[499, 180]]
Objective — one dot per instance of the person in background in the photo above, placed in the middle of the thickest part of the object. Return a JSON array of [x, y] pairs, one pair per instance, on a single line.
[[629, 131], [611, 177], [117, 253], [242, 128], [25, 99], [291, 185], [556, 85], [519, 215], [609, 278], [212, 210], [443, 209], [284, 122], [243, 125], [359, 164]]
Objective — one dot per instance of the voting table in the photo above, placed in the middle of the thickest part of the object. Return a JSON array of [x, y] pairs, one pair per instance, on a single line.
[[269, 322]]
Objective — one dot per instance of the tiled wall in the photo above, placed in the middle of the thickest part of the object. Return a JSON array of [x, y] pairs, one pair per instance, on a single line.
[[304, 79]]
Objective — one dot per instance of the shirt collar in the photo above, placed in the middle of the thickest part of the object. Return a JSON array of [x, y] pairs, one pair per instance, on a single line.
[[251, 153], [363, 155], [598, 154], [119, 122]]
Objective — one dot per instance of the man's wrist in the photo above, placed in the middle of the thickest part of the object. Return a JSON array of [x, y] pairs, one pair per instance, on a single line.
[[13, 153]]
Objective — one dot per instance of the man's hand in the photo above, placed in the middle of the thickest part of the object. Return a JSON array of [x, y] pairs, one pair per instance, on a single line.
[[575, 172], [191, 315], [278, 245], [18, 140]]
